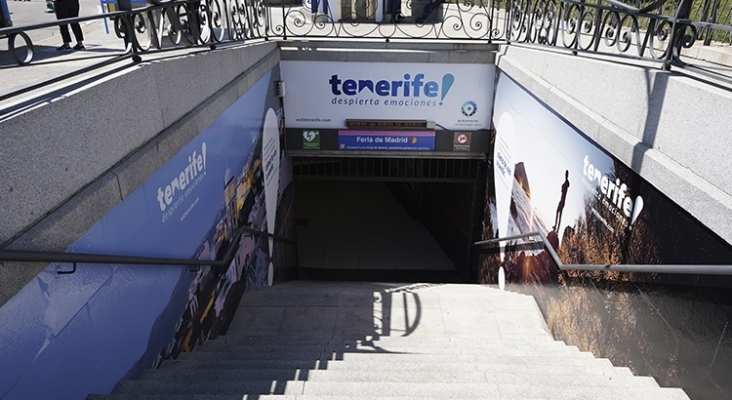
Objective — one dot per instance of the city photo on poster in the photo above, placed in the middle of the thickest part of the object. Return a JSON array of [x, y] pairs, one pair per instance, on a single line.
[[81, 333]]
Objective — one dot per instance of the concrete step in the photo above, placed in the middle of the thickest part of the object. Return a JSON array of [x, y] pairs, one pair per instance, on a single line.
[[506, 394], [138, 396], [654, 394], [562, 357], [544, 378], [133, 396], [317, 375], [516, 391], [211, 388], [516, 349], [220, 345], [484, 391], [428, 341], [605, 368], [363, 390]]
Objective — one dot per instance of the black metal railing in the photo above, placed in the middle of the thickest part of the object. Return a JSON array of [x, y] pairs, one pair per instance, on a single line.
[[698, 269], [86, 258], [654, 30], [615, 29]]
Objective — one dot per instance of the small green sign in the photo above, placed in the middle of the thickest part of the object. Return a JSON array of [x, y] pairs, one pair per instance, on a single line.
[[311, 140]]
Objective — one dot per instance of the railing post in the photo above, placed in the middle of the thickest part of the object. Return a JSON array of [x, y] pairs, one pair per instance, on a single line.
[[126, 23], [284, 22], [677, 32], [714, 15]]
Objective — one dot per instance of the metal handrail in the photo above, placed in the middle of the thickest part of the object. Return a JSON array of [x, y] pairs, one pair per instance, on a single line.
[[87, 258], [699, 269]]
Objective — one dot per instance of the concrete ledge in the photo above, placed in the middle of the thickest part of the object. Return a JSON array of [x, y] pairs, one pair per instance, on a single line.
[[401, 52], [58, 230], [657, 123], [92, 176]]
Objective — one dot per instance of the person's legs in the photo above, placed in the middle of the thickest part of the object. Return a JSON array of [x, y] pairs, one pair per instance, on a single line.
[[395, 10], [61, 11], [75, 27], [428, 9]]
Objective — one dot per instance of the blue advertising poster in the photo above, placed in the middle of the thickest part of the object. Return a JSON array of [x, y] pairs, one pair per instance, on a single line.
[[81, 333], [387, 140], [548, 176]]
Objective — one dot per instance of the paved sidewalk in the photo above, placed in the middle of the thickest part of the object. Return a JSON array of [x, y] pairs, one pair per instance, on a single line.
[[47, 61], [34, 12]]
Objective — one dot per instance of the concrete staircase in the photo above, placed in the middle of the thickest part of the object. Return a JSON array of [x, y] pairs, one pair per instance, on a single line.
[[342, 341]]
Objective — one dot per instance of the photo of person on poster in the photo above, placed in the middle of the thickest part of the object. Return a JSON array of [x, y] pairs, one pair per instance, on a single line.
[[560, 206], [604, 213]]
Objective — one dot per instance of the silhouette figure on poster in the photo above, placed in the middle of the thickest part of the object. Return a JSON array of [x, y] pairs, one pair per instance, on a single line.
[[560, 206]]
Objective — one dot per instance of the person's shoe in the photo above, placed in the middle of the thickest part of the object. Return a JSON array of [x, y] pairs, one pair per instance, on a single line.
[[79, 46], [65, 47]]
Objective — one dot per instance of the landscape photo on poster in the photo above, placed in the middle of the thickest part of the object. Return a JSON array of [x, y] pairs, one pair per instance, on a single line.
[[549, 177]]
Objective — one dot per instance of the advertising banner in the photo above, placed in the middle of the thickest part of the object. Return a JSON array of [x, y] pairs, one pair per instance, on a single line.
[[549, 177], [389, 140], [593, 208], [81, 333], [326, 94]]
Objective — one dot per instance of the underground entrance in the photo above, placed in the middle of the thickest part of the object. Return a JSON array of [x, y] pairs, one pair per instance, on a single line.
[[387, 219]]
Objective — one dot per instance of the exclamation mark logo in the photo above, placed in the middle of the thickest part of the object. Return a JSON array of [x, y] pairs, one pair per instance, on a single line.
[[447, 81], [203, 153]]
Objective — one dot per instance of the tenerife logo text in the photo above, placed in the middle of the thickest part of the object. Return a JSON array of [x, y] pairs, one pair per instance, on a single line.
[[411, 91], [614, 195], [181, 185]]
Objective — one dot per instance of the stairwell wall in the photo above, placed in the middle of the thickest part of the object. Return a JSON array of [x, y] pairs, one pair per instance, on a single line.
[[141, 176], [61, 178], [559, 168], [672, 129]]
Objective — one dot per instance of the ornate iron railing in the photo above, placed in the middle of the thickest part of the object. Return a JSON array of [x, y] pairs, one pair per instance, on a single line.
[[657, 30], [613, 29]]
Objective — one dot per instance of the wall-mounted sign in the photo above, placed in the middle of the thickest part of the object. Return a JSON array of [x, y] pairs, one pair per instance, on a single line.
[[386, 124], [461, 141], [324, 95], [310, 139], [387, 140]]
